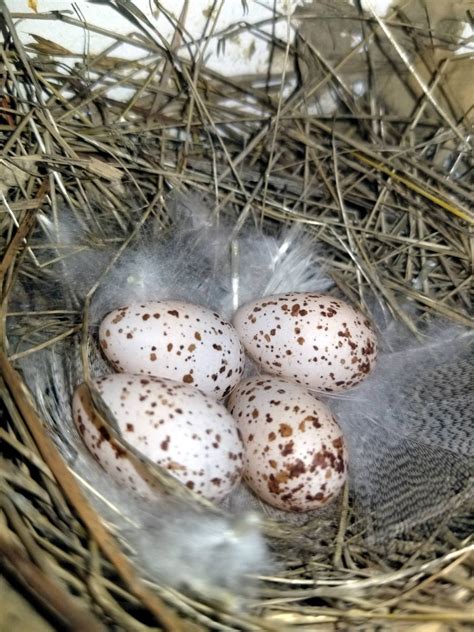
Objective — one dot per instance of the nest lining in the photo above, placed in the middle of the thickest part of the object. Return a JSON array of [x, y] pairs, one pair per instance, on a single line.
[[386, 194]]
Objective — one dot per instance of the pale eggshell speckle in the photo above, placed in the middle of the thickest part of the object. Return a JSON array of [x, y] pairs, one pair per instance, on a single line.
[[295, 457], [175, 340], [313, 339], [174, 425]]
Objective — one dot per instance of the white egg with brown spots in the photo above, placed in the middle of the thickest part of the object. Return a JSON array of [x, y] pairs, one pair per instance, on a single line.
[[295, 457], [176, 340], [312, 339], [173, 425]]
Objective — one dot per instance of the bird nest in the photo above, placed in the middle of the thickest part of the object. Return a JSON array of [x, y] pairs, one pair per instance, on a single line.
[[381, 184]]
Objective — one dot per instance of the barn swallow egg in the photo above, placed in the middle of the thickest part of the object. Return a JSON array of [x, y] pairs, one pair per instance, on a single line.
[[312, 339], [294, 452], [175, 340], [173, 425]]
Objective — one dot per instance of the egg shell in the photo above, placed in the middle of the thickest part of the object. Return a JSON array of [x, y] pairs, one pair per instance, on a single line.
[[295, 457], [312, 339], [176, 340], [174, 425]]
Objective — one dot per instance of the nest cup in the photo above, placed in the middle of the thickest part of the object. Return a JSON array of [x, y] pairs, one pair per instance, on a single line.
[[340, 163]]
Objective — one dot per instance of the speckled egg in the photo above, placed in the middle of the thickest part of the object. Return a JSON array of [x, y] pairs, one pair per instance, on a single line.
[[174, 425], [180, 341], [313, 339], [295, 458]]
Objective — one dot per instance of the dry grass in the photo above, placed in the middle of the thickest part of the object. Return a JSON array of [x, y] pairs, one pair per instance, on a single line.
[[388, 195]]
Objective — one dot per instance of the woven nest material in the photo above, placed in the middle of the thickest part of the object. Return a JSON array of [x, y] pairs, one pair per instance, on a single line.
[[385, 189]]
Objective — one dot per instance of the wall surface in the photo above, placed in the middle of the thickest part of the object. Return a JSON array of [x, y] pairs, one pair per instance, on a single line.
[[235, 39]]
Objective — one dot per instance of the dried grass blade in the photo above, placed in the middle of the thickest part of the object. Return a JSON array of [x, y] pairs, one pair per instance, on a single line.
[[75, 496]]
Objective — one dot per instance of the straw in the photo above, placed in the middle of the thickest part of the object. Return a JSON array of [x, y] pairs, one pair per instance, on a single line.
[[369, 185]]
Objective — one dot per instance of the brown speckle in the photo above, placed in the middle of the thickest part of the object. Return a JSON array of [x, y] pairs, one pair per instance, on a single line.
[[337, 443], [120, 316], [364, 367], [296, 468], [287, 448], [285, 430], [314, 421], [104, 435], [119, 452], [273, 485]]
